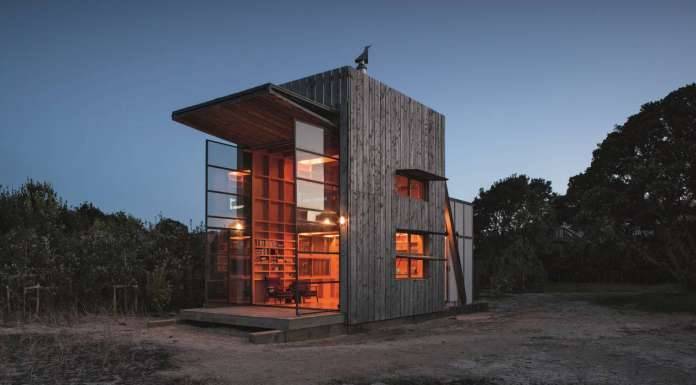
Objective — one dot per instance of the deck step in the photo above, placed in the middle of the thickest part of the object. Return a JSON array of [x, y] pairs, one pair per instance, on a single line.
[[280, 336], [261, 317]]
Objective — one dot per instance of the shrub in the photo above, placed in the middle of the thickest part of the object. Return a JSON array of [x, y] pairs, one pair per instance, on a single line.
[[159, 290], [80, 253], [517, 268]]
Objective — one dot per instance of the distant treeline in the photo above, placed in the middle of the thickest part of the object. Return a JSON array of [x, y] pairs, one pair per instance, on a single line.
[[80, 256], [630, 217]]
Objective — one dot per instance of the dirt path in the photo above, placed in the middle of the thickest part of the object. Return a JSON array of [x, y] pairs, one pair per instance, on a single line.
[[533, 338], [525, 339]]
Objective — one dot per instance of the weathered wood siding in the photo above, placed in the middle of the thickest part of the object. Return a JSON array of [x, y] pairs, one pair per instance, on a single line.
[[383, 130]]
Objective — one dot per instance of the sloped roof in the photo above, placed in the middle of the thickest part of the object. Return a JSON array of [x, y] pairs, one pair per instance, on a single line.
[[256, 117]]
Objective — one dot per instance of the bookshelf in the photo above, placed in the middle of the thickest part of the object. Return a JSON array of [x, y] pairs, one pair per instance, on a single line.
[[273, 222]]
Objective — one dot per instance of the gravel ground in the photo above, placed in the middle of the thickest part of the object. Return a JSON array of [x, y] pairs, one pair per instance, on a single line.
[[536, 339]]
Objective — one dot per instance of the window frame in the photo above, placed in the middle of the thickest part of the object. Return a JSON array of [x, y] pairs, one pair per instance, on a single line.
[[410, 256]]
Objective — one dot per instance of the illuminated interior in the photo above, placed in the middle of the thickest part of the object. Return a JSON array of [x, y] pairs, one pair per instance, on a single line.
[[411, 187], [273, 222], [295, 217], [411, 255]]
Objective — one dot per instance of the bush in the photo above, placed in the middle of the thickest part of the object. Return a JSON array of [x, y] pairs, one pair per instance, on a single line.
[[81, 253], [159, 291], [517, 268]]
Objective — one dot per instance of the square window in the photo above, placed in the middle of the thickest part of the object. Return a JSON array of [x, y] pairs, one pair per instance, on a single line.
[[410, 249], [412, 188]]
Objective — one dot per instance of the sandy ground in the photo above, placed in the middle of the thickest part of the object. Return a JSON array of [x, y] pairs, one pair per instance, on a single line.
[[524, 339]]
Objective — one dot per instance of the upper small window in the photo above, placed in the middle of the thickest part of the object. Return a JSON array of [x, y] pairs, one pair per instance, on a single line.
[[410, 187]]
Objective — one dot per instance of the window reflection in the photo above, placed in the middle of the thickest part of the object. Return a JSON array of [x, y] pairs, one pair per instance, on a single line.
[[316, 167], [317, 196], [237, 225], [308, 137], [316, 139], [227, 180], [227, 156], [226, 205]]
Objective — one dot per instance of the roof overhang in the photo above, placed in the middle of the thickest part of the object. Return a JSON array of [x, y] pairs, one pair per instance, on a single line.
[[258, 117], [419, 174]]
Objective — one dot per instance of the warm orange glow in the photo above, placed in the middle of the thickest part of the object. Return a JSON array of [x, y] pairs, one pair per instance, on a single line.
[[413, 188], [318, 233], [416, 269], [238, 226], [327, 221], [401, 243], [410, 248], [341, 220], [417, 189], [401, 184], [416, 245], [317, 160], [238, 173], [401, 268]]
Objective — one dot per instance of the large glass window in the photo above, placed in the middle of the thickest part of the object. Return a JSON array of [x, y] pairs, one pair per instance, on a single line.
[[227, 222], [411, 255], [317, 219]]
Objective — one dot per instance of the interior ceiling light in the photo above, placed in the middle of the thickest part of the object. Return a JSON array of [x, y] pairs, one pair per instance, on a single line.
[[318, 160]]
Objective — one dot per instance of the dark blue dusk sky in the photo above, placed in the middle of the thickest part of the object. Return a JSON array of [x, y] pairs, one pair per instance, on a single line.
[[87, 88]]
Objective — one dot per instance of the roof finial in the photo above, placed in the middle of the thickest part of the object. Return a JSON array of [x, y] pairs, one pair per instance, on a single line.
[[362, 60]]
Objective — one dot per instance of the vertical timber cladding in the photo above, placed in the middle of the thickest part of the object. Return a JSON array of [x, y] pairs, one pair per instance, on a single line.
[[383, 130]]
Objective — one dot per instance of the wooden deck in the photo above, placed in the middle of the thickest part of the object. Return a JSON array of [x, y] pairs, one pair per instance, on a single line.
[[263, 317]]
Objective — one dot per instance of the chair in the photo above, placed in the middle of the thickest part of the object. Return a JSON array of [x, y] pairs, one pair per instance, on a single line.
[[274, 289], [304, 290]]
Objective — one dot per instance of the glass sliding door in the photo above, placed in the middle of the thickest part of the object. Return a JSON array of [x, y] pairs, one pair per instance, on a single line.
[[317, 217], [228, 259]]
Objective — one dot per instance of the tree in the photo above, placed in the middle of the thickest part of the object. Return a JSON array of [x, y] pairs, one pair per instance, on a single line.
[[513, 225], [639, 190]]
